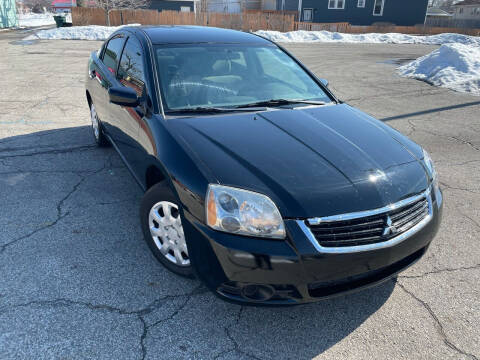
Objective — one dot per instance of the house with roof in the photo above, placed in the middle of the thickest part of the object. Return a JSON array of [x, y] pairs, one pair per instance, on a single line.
[[177, 5], [467, 10], [467, 13], [359, 12], [63, 5], [437, 13], [438, 17]]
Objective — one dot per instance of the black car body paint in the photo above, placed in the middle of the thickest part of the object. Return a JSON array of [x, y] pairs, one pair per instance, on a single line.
[[311, 161]]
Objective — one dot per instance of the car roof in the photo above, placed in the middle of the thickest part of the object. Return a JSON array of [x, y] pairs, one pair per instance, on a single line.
[[189, 34]]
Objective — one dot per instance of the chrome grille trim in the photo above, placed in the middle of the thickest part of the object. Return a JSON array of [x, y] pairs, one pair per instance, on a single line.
[[379, 245], [361, 214]]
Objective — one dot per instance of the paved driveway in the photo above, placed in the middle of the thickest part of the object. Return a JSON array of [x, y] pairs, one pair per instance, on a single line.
[[77, 281]]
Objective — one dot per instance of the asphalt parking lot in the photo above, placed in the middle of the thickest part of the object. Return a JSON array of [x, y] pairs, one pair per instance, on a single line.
[[77, 280]]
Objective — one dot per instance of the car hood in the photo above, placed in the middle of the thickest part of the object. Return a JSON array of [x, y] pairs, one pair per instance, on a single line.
[[311, 161]]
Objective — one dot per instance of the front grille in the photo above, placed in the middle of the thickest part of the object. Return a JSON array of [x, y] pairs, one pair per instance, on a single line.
[[379, 227]]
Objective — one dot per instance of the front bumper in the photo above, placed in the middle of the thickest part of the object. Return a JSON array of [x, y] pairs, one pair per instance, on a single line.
[[293, 271]]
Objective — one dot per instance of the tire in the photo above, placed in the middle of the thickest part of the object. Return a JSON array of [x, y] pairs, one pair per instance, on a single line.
[[162, 229], [98, 135]]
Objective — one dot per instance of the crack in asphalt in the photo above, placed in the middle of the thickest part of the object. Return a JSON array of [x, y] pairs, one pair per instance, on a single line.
[[236, 346], [392, 94], [438, 323], [115, 202], [473, 191], [412, 126], [143, 337], [438, 271], [454, 138], [138, 313], [463, 163], [64, 302], [53, 151], [60, 214], [21, 148], [147, 327], [43, 101], [475, 222], [16, 172]]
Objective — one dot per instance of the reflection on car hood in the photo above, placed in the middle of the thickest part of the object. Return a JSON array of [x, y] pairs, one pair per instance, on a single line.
[[312, 161]]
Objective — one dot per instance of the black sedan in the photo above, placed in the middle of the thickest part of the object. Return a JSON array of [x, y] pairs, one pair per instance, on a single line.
[[257, 179]]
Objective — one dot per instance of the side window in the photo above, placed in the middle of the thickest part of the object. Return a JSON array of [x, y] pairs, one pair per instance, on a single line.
[[112, 53], [130, 72], [307, 14], [378, 7]]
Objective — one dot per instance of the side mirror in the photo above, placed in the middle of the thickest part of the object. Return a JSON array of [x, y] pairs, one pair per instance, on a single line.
[[324, 82], [124, 96]]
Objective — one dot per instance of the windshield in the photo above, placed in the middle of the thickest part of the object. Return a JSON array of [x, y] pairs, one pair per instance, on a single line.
[[224, 75]]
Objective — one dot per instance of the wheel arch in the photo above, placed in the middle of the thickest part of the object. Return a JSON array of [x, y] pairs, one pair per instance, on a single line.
[[89, 98], [153, 175]]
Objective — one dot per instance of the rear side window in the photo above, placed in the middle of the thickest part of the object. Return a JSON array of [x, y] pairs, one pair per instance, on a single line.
[[130, 72], [112, 53]]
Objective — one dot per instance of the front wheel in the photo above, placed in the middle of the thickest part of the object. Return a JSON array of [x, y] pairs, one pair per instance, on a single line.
[[163, 230]]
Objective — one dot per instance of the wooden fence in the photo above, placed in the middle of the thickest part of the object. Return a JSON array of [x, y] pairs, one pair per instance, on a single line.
[[413, 30], [242, 21], [334, 27], [270, 12], [88, 16], [435, 21], [246, 21]]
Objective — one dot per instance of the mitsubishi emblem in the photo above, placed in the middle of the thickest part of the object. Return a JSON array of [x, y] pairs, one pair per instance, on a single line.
[[390, 229]]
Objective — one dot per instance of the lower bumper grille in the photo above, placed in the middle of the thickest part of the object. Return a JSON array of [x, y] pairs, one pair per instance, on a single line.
[[370, 227], [325, 289]]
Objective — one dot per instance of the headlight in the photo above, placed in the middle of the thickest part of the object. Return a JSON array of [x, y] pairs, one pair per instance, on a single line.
[[243, 212], [430, 167]]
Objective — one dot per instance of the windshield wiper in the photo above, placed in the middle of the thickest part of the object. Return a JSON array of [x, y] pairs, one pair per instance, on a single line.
[[212, 110], [280, 102]]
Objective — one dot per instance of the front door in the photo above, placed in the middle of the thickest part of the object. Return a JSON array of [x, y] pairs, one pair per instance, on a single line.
[[127, 120]]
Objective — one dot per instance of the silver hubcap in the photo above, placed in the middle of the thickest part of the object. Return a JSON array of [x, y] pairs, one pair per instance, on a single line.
[[167, 232], [94, 117]]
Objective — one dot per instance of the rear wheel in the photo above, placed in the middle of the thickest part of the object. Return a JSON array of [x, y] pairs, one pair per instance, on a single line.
[[100, 138], [163, 230]]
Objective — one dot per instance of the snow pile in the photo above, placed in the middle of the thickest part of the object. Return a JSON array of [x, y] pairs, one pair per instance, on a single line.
[[91, 32], [31, 20], [454, 66], [372, 38]]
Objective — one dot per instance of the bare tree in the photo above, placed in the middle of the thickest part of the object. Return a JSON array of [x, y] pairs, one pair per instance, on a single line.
[[38, 6], [443, 4], [109, 5], [447, 5]]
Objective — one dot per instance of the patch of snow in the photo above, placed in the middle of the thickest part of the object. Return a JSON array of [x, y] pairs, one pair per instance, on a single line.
[[91, 32], [372, 38], [31, 20], [454, 66]]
